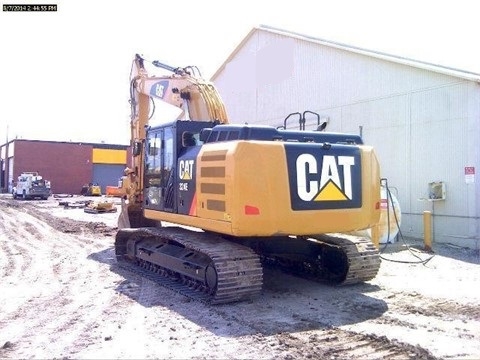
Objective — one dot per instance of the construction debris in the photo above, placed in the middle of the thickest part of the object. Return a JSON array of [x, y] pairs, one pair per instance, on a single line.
[[89, 206], [62, 195], [95, 207], [74, 204]]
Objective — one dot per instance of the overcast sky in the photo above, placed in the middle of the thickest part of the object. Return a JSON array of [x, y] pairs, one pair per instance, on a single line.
[[64, 75]]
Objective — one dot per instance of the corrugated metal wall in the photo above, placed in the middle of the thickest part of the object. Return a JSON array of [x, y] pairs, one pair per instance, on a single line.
[[424, 125]]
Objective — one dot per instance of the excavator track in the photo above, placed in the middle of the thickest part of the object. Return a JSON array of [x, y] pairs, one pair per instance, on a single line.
[[362, 256], [198, 265], [338, 259]]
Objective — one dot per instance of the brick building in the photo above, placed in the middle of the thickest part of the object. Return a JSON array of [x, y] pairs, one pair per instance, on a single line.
[[68, 165]]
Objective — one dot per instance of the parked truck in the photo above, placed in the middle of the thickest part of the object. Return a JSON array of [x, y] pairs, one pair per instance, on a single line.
[[31, 185]]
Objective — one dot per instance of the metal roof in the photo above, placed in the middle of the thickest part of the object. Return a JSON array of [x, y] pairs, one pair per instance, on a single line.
[[94, 145], [376, 54]]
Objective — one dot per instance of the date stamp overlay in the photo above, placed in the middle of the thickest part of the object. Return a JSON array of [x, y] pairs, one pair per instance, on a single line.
[[29, 7]]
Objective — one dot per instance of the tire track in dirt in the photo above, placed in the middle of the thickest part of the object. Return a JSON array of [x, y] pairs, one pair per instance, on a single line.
[[14, 261], [324, 340], [339, 344], [9, 265], [19, 253], [422, 309], [433, 320], [442, 309], [92, 309], [253, 317], [53, 265]]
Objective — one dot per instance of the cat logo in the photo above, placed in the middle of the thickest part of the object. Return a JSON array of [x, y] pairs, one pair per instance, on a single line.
[[158, 89], [327, 183], [186, 169], [322, 179]]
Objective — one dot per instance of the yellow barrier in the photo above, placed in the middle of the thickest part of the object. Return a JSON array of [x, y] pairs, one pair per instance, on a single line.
[[427, 230]]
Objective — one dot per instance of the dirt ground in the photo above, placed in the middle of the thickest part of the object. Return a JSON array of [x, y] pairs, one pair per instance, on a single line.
[[63, 296]]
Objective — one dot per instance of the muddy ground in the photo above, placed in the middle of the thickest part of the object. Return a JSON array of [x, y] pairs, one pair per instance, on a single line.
[[62, 295]]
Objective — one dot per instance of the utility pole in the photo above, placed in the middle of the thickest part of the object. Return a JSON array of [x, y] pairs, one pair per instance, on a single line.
[[6, 170]]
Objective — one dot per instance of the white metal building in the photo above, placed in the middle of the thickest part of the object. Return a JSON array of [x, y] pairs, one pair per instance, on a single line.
[[423, 119]]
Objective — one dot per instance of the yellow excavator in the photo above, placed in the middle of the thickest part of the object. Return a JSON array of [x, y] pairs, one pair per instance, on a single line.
[[208, 204]]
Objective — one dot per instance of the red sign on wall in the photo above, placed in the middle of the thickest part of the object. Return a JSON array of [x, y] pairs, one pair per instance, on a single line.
[[469, 174], [469, 170]]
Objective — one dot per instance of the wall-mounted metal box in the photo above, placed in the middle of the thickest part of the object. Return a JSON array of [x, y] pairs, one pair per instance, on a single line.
[[436, 191]]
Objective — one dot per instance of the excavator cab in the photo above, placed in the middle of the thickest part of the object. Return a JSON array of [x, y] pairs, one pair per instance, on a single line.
[[170, 152]]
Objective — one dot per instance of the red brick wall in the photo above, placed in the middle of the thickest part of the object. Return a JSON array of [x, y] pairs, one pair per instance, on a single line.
[[67, 165]]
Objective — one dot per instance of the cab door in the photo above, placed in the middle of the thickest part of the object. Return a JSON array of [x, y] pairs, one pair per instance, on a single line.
[[159, 169]]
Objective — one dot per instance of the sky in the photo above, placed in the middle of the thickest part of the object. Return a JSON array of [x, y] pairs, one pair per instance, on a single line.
[[64, 76]]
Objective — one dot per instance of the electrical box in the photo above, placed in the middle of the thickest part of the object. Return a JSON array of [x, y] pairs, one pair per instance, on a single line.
[[436, 191]]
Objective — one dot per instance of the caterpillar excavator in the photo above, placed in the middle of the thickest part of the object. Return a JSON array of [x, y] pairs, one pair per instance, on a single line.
[[209, 203]]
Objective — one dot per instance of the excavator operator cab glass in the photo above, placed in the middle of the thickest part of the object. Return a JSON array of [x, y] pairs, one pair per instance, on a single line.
[[153, 146], [159, 169], [189, 139], [204, 134]]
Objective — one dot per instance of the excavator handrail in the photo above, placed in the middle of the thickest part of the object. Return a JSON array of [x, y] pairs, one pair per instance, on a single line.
[[302, 120]]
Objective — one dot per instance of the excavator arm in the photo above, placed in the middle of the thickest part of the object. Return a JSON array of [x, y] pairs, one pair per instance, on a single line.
[[185, 89], [197, 98]]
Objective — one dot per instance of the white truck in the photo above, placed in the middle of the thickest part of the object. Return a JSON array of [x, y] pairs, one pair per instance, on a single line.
[[31, 185]]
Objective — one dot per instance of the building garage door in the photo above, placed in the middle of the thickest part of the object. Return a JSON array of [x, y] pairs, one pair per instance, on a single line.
[[108, 165], [107, 175]]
